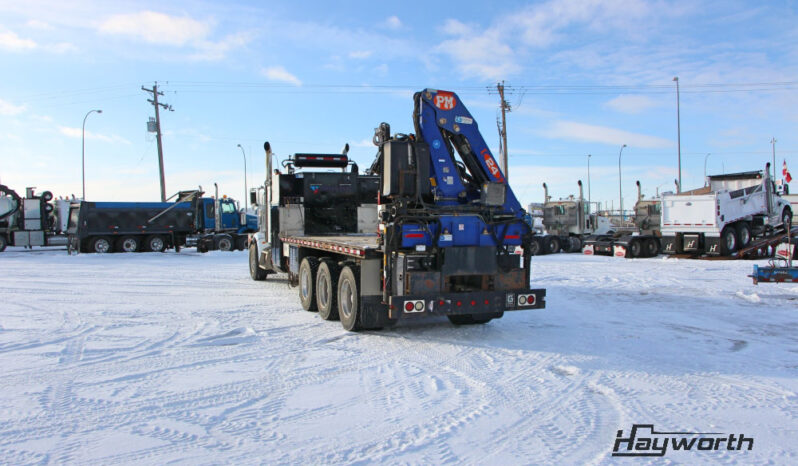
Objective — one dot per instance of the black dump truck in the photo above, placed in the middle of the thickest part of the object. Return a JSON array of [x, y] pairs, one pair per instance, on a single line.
[[129, 226]]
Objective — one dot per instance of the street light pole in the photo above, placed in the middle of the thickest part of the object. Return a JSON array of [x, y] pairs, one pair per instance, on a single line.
[[620, 186], [588, 182], [246, 193], [773, 145], [678, 133], [705, 168], [83, 151]]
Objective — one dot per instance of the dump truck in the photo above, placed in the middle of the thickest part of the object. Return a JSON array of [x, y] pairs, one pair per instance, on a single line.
[[725, 216]]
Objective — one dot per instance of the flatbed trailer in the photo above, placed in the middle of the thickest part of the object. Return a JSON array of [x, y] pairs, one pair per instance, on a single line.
[[418, 234]]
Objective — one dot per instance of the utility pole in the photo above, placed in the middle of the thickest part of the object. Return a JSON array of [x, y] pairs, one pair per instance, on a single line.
[[154, 101], [505, 108]]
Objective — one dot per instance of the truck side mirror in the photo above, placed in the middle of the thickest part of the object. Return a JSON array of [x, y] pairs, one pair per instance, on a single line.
[[253, 197]]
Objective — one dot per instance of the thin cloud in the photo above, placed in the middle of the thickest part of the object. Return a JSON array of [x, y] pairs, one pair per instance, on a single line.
[[9, 109], [156, 28], [10, 41], [280, 74], [360, 54], [78, 133], [631, 104], [574, 131], [393, 23]]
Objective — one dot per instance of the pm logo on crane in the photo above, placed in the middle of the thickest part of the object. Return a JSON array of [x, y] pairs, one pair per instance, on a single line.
[[445, 100], [491, 163]]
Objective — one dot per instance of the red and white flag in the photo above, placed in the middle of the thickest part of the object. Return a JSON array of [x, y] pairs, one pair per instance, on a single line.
[[786, 173]]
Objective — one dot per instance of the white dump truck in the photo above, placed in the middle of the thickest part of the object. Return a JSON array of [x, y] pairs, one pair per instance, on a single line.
[[725, 216]]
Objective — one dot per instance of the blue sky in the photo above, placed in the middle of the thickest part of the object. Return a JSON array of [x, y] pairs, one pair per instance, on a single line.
[[584, 77]]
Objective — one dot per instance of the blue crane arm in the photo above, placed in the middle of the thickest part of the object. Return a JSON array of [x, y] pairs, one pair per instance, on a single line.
[[444, 123]]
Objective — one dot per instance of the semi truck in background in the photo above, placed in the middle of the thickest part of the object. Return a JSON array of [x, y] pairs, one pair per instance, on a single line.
[[33, 220], [567, 222], [420, 233], [213, 223], [724, 217], [643, 241]]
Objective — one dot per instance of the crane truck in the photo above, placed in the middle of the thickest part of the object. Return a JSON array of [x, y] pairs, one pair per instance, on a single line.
[[725, 216], [420, 233], [33, 220]]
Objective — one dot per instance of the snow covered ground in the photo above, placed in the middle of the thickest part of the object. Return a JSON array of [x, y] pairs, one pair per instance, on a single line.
[[156, 358]]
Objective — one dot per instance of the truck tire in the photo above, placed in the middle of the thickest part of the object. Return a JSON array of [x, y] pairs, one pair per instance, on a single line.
[[257, 273], [574, 244], [349, 298], [327, 290], [241, 243], [635, 248], [728, 240], [307, 283], [101, 245], [224, 243], [534, 247], [552, 245], [156, 243], [786, 218], [127, 244], [3, 242], [651, 247], [743, 234]]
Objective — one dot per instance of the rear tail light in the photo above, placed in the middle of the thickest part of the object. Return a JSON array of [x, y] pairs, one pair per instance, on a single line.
[[526, 299], [414, 306]]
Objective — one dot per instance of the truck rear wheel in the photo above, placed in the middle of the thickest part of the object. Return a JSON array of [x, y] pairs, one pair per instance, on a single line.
[[635, 248], [552, 245], [101, 245], [307, 283], [651, 247], [327, 290], [574, 244], [786, 219], [224, 243], [534, 246], [255, 271], [349, 299], [156, 243], [3, 242], [728, 240], [744, 234], [128, 244]]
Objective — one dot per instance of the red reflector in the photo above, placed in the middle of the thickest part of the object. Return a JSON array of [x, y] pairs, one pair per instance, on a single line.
[[512, 237], [531, 299], [414, 235], [409, 306], [487, 302], [473, 303], [459, 303], [440, 303]]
